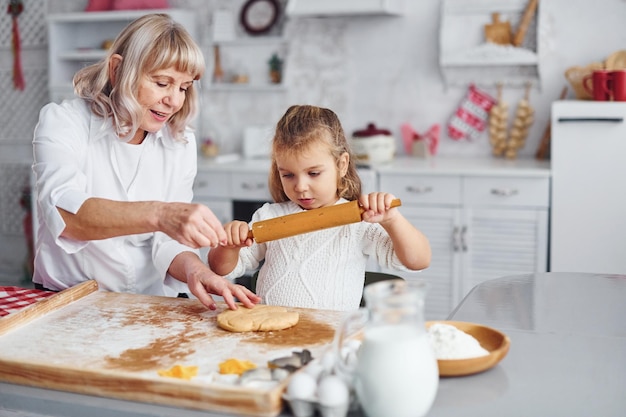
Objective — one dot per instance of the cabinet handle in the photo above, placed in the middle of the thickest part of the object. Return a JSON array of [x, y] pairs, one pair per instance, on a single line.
[[419, 190], [504, 192], [455, 239], [590, 119], [255, 186], [463, 240], [201, 184], [459, 243]]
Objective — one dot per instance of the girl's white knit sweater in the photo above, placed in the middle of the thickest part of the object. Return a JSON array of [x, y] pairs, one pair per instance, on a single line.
[[321, 270]]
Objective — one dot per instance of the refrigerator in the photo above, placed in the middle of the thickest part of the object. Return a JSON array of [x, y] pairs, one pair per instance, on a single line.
[[588, 196]]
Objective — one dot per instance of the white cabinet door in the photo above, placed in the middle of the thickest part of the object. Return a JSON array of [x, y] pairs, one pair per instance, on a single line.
[[501, 242], [440, 225], [480, 227]]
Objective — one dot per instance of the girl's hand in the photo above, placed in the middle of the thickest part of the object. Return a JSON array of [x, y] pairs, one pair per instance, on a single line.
[[377, 207], [237, 234]]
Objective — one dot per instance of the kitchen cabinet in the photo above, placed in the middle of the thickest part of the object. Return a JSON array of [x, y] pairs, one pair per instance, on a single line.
[[588, 224], [465, 57], [247, 59], [484, 219], [76, 40]]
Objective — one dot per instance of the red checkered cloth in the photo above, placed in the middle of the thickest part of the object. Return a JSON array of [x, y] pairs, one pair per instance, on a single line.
[[13, 299]]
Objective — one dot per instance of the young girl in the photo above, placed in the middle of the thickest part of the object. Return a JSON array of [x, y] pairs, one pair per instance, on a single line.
[[312, 167]]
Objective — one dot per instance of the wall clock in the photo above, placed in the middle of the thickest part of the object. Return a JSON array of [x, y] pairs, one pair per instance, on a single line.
[[259, 16]]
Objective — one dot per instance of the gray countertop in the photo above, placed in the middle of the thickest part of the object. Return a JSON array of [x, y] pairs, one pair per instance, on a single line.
[[567, 357]]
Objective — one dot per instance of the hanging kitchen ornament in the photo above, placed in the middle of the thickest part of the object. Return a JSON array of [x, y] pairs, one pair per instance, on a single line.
[[470, 118], [524, 117], [498, 117], [15, 8]]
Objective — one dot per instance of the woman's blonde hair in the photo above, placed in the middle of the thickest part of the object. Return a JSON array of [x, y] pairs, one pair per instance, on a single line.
[[303, 126], [148, 44]]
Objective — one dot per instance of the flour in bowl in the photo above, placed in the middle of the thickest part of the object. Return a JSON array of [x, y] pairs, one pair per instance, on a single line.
[[448, 342]]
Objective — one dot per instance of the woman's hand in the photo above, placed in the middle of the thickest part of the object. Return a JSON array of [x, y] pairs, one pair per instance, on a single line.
[[203, 282], [191, 224]]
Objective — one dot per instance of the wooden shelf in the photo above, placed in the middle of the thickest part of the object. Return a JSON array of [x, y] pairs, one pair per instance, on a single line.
[[250, 55], [466, 57]]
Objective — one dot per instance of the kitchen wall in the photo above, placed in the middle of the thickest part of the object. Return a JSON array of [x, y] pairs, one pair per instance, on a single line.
[[368, 69], [385, 69]]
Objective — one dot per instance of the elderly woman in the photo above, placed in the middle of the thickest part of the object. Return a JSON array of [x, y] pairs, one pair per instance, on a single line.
[[114, 173]]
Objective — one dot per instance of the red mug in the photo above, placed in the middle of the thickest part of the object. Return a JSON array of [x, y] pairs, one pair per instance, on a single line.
[[618, 84], [601, 88]]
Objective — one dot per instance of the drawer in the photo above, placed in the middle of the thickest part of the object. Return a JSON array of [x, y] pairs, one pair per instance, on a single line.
[[250, 187], [423, 189], [509, 191], [212, 184]]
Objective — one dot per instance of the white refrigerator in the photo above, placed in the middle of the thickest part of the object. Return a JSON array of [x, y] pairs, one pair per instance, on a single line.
[[588, 199]]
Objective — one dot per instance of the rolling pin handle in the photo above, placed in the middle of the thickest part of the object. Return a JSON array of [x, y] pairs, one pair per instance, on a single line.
[[250, 234]]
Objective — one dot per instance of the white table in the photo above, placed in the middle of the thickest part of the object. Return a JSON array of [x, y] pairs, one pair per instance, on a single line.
[[568, 348], [567, 357]]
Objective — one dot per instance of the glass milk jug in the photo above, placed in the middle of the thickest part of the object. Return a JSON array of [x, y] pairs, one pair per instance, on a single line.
[[395, 372]]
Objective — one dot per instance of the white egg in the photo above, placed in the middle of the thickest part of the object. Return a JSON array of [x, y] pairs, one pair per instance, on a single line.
[[314, 369], [328, 360], [353, 344], [332, 391], [302, 386]]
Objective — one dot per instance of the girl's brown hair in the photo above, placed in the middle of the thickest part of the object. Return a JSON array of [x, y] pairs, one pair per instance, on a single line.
[[150, 43], [303, 126]]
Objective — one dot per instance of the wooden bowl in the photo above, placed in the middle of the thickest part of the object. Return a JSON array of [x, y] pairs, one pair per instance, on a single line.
[[497, 343]]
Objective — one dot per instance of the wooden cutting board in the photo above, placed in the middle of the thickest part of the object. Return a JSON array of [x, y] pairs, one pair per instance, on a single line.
[[498, 32], [113, 344]]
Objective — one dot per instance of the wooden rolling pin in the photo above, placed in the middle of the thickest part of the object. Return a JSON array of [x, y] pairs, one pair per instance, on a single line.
[[309, 221], [525, 22]]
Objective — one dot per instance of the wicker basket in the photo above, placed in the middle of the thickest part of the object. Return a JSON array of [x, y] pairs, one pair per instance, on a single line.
[[575, 77]]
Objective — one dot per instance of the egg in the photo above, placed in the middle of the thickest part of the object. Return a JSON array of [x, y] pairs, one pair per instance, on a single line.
[[314, 369], [332, 391], [328, 361], [302, 386]]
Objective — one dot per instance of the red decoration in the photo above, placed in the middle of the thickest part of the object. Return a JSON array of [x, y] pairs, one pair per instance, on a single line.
[[430, 138], [15, 8], [99, 5], [139, 4], [471, 117]]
